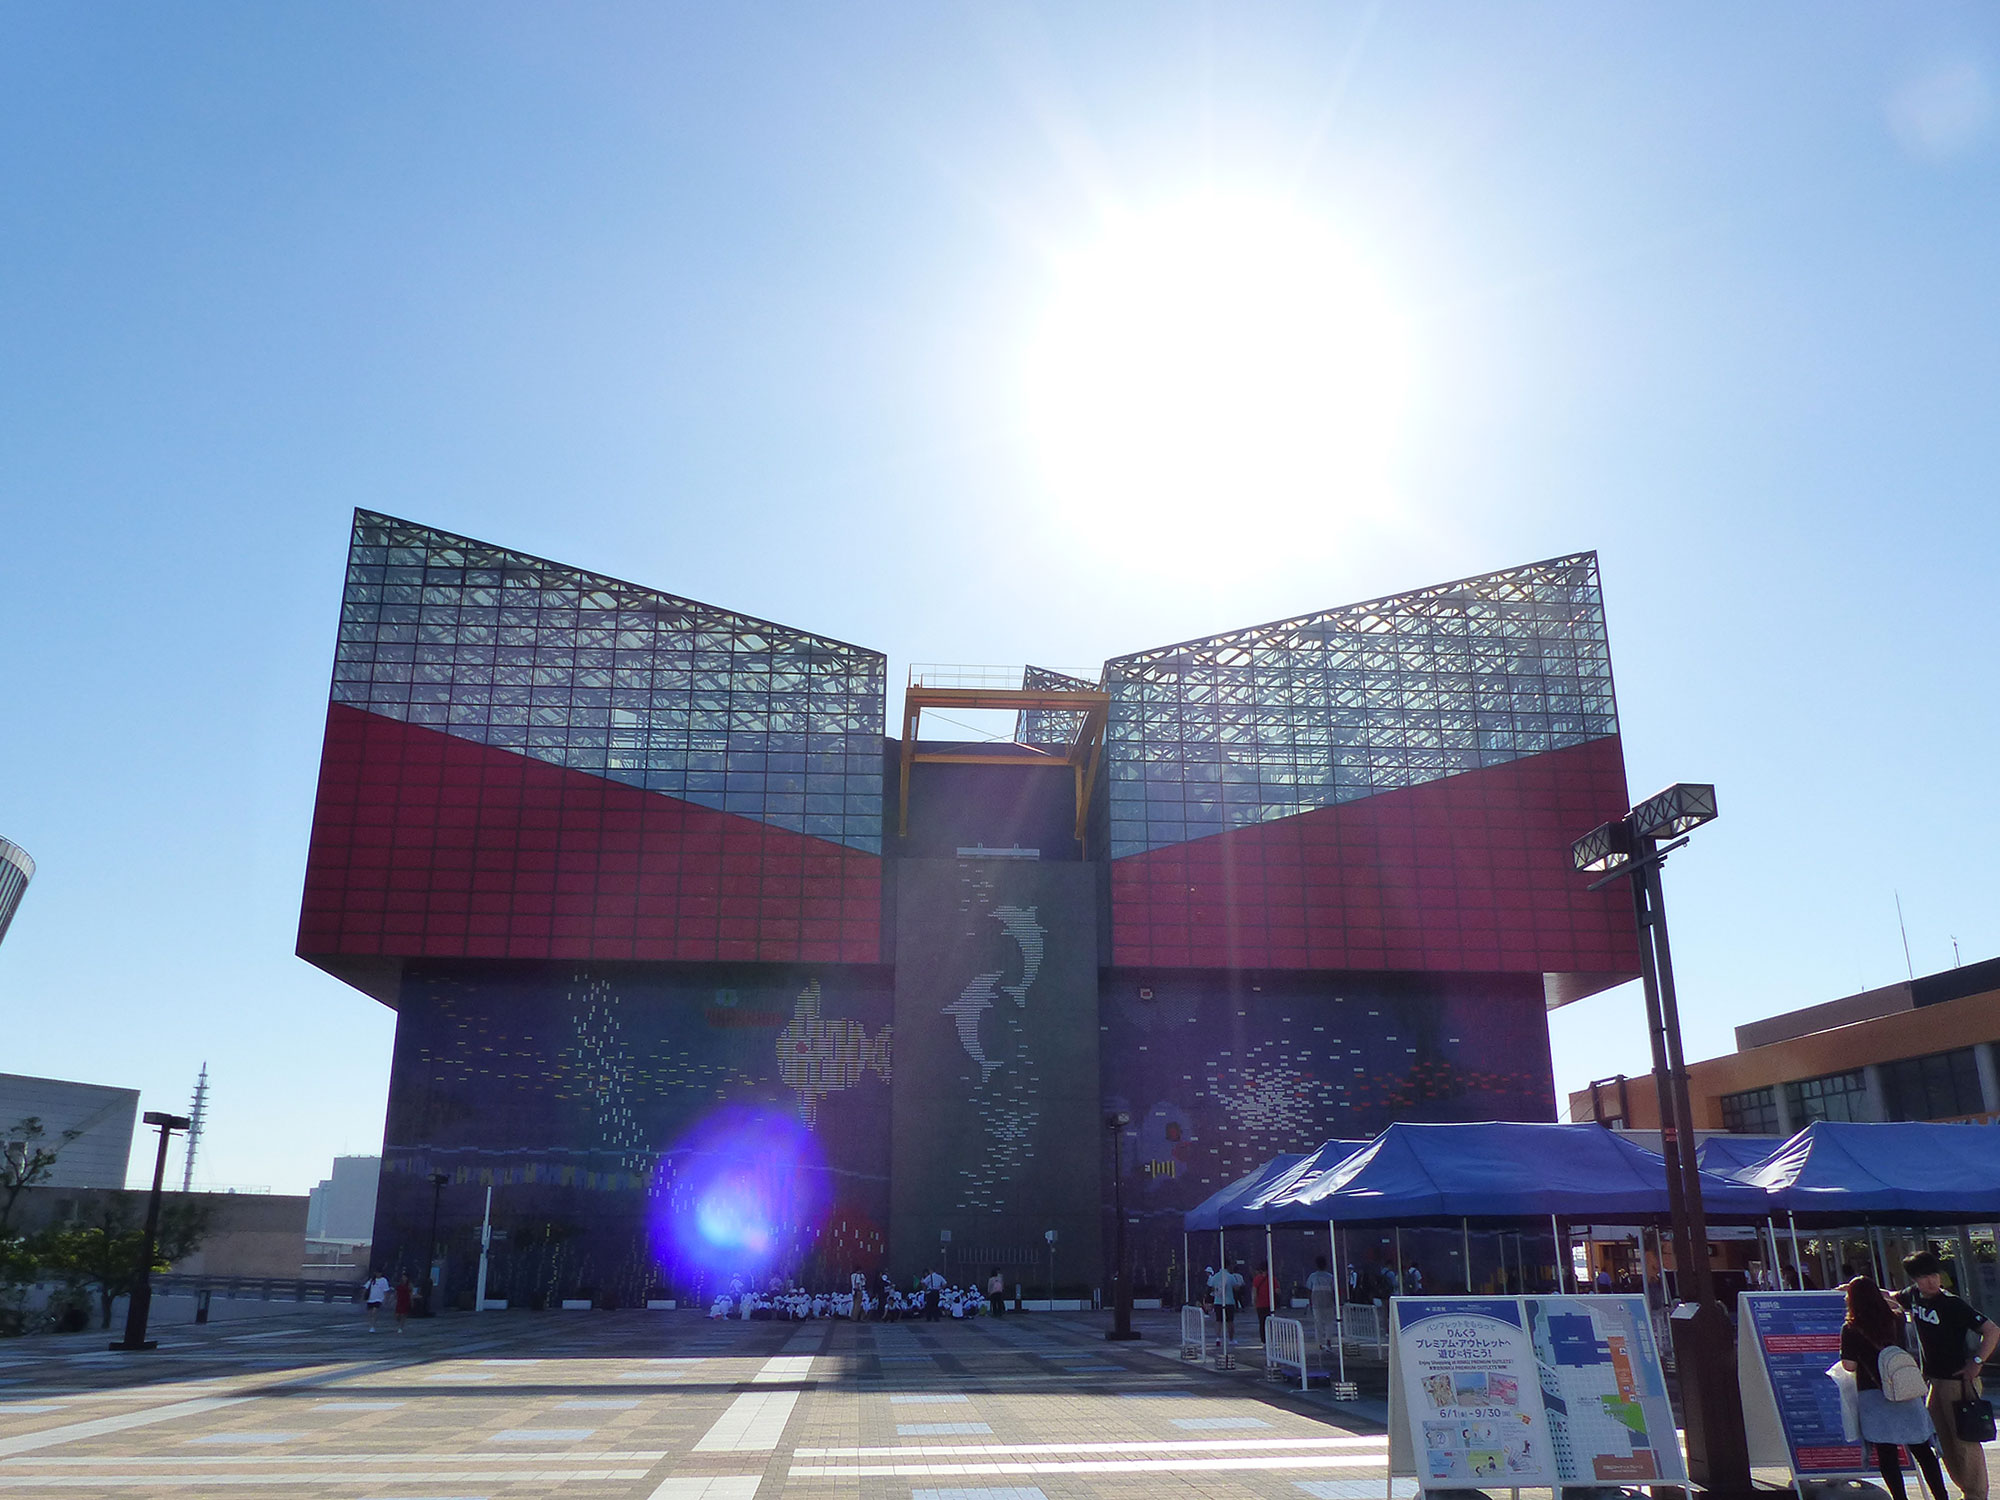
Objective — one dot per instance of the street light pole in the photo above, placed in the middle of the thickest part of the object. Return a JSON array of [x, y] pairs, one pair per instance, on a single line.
[[1704, 1340], [1121, 1274], [141, 1305], [436, 1278]]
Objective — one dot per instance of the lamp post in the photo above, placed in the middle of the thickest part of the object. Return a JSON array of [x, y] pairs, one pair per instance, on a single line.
[[438, 1180], [1631, 849], [141, 1304], [1121, 1274]]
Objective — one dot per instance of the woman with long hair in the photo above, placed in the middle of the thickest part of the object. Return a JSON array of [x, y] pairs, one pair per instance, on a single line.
[[1874, 1324]]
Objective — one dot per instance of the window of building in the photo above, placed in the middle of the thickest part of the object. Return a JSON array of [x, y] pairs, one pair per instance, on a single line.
[[1752, 1112], [1939, 1087], [1838, 1096]]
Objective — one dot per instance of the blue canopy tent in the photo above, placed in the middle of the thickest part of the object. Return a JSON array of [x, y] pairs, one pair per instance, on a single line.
[[1208, 1213], [1730, 1154], [1253, 1207], [1413, 1175], [1211, 1212], [1501, 1170], [1874, 1174], [1907, 1172]]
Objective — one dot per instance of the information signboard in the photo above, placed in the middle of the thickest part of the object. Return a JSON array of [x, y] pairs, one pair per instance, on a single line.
[[1470, 1393], [1791, 1406], [1604, 1394], [1527, 1391]]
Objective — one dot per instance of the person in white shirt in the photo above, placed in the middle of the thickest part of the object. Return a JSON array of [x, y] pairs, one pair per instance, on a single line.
[[377, 1293], [933, 1285], [1322, 1289], [1224, 1285], [858, 1285]]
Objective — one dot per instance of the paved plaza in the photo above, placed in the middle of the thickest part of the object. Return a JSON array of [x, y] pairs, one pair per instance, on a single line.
[[663, 1404]]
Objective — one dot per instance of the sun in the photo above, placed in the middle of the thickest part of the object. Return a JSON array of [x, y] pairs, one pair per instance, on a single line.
[[1223, 363]]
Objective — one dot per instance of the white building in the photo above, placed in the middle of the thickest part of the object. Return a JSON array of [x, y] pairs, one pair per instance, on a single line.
[[343, 1206], [103, 1118]]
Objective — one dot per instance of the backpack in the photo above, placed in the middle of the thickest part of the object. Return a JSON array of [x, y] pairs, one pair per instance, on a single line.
[[1902, 1379]]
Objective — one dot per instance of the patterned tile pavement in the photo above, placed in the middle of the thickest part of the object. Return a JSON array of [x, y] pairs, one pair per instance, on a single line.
[[663, 1406]]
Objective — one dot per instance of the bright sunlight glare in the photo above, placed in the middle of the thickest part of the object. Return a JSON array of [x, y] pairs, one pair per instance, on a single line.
[[1220, 358]]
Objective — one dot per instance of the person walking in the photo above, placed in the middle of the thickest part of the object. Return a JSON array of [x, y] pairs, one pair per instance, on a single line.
[[1957, 1340], [857, 1287], [1223, 1288], [1890, 1425], [1321, 1291], [403, 1292], [1261, 1297], [933, 1285], [996, 1293], [375, 1293]]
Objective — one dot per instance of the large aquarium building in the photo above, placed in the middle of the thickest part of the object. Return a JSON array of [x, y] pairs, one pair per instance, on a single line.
[[701, 973]]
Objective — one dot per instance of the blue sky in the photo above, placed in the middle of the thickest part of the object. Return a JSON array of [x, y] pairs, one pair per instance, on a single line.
[[741, 302]]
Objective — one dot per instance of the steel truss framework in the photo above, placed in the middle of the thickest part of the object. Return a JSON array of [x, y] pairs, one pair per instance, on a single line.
[[1273, 720], [588, 672], [1049, 729]]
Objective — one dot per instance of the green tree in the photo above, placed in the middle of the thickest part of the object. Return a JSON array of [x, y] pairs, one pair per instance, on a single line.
[[101, 1256], [26, 1161]]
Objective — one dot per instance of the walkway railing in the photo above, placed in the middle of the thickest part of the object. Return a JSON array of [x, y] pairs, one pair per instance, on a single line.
[[1284, 1348], [257, 1288], [1194, 1334]]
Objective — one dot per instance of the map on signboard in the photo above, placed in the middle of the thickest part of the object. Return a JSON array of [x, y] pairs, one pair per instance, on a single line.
[[1610, 1421]]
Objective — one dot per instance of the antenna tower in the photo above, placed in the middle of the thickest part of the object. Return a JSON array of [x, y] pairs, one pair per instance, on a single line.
[[197, 1112]]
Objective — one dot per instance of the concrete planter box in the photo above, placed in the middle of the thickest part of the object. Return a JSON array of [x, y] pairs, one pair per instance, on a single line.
[[576, 1304], [661, 1304]]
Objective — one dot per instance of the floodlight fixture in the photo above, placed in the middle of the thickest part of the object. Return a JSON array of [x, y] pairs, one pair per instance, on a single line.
[[1117, 1120], [170, 1122], [1682, 807], [1605, 847]]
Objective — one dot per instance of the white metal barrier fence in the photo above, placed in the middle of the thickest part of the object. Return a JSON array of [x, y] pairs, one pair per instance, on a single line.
[[1194, 1334], [1365, 1323], [1284, 1348]]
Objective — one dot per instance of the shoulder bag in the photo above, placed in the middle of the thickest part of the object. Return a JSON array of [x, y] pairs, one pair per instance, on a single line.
[[1972, 1415]]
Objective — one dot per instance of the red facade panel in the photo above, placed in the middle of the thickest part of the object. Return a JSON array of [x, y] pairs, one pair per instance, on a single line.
[[1467, 874], [429, 846]]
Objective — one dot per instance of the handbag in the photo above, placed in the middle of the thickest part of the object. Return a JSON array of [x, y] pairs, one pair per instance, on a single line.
[[1973, 1416], [1850, 1414]]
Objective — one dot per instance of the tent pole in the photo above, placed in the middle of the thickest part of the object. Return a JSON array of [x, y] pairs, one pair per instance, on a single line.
[[1187, 1271], [1401, 1290], [1798, 1265], [1556, 1244], [1339, 1302], [1465, 1236], [1270, 1276]]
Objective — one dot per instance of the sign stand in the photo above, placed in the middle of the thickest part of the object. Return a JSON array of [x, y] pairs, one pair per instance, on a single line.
[[1555, 1391], [1791, 1409]]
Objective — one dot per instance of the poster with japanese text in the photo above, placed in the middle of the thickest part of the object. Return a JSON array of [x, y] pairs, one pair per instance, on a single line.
[[1791, 1406], [1471, 1393]]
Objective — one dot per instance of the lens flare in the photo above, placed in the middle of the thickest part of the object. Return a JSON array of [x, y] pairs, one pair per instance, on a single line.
[[745, 1191]]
